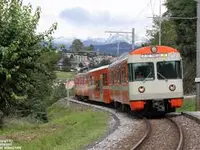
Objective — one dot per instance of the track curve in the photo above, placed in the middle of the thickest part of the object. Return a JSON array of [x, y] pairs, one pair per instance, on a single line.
[[142, 144], [181, 137], [146, 135]]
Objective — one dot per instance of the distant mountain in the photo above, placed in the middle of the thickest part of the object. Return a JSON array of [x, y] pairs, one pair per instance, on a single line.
[[112, 48], [100, 44]]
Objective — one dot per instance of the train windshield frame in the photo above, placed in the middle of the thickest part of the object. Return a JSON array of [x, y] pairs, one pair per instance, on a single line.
[[169, 70], [142, 71]]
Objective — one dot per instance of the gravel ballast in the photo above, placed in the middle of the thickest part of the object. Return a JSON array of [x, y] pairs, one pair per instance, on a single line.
[[125, 130], [125, 136], [191, 130], [164, 136]]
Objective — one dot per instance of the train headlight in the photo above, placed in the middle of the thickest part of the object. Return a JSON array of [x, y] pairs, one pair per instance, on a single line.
[[172, 87], [141, 89], [154, 49]]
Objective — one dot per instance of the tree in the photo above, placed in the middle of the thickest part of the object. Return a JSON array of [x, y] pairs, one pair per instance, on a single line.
[[21, 65], [81, 65], [185, 29], [180, 34], [77, 45], [168, 32], [66, 64], [62, 47], [90, 48], [105, 62]]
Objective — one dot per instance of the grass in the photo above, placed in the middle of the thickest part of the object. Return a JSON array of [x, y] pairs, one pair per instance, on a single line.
[[64, 75], [68, 129], [188, 105]]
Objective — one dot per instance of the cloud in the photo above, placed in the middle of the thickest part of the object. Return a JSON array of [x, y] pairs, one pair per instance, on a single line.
[[81, 17]]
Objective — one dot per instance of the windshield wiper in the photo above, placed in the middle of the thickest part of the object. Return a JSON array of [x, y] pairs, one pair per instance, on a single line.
[[147, 77], [162, 76]]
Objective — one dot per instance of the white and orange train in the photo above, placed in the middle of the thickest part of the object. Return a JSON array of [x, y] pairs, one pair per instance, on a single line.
[[147, 79]]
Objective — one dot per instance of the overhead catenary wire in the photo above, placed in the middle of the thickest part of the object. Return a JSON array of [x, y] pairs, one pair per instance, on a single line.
[[143, 10], [184, 18], [152, 10]]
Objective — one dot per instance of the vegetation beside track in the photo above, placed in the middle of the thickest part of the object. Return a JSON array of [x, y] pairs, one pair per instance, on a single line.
[[188, 105], [64, 75], [68, 128]]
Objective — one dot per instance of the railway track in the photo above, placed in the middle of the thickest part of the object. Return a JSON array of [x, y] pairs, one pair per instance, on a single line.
[[143, 143], [174, 133], [146, 135]]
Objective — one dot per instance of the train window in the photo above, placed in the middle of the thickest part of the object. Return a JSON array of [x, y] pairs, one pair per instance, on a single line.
[[118, 76], [90, 80], [169, 70], [86, 80], [130, 72], [115, 74], [97, 85], [113, 78], [123, 75], [104, 79], [141, 71]]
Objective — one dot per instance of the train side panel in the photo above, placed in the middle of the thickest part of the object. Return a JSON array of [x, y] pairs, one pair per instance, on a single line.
[[119, 83], [99, 89], [81, 85]]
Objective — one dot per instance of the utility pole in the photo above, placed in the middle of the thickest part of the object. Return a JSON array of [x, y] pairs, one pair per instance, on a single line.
[[122, 32], [160, 24], [133, 38], [118, 48], [197, 79]]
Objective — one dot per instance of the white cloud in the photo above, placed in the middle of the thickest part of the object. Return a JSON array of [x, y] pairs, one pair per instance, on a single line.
[[99, 16]]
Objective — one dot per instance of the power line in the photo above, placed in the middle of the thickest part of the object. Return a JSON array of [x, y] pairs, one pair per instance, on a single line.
[[152, 11], [184, 18], [123, 32], [143, 9]]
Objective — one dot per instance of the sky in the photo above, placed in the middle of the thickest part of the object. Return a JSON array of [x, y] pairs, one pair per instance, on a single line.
[[90, 19]]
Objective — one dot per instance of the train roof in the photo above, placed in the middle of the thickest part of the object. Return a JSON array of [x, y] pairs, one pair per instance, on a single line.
[[144, 50], [100, 68], [123, 57], [147, 50], [81, 74]]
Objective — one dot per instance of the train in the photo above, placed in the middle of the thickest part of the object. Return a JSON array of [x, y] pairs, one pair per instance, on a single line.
[[147, 79]]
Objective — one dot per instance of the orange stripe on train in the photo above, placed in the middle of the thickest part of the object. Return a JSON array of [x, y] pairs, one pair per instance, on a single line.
[[147, 50]]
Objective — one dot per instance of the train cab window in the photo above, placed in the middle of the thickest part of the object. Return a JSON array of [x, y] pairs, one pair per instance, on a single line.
[[141, 71], [169, 70]]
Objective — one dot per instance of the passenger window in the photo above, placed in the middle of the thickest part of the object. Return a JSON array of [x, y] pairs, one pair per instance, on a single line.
[[104, 79]]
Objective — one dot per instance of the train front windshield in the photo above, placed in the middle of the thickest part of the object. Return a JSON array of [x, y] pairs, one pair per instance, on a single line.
[[141, 71], [169, 70], [146, 72]]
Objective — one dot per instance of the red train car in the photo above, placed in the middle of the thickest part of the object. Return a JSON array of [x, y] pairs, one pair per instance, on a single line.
[[81, 84], [99, 84], [146, 79]]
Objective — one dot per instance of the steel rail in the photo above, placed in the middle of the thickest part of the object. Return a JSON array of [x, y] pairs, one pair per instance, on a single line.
[[145, 137], [181, 136]]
